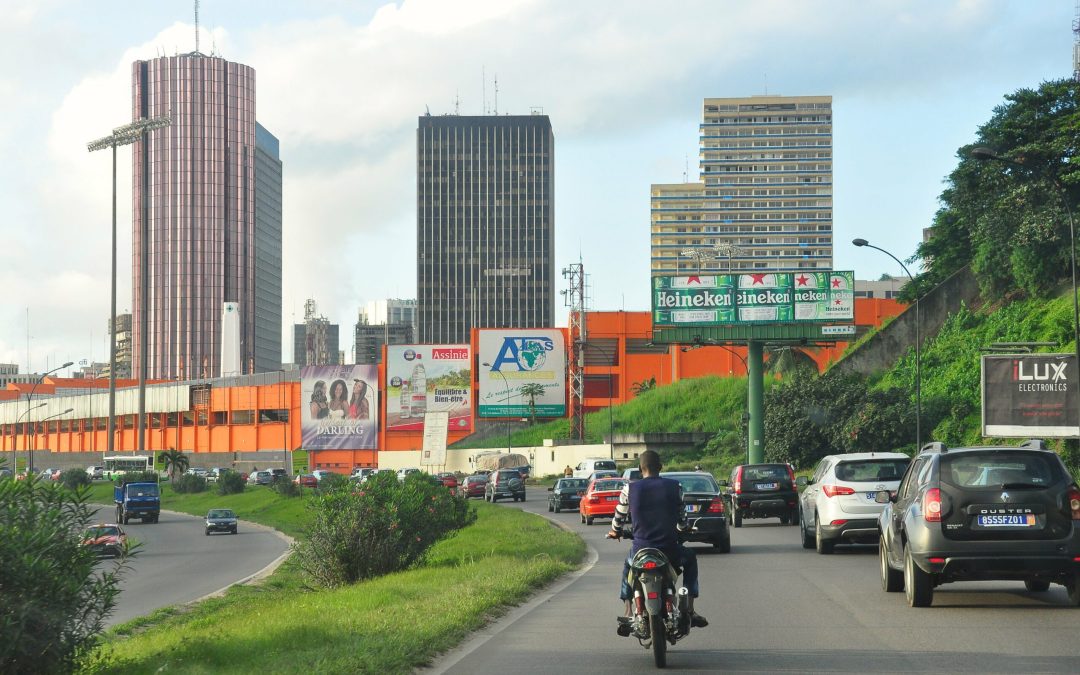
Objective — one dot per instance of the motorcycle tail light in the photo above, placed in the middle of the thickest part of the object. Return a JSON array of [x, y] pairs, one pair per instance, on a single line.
[[1074, 502], [652, 595], [649, 565], [932, 505]]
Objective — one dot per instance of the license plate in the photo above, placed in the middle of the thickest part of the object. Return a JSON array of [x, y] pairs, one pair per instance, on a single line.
[[767, 486], [613, 499], [693, 508], [871, 496], [1015, 520]]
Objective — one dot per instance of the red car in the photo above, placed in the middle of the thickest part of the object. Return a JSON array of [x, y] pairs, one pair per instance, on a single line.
[[105, 539], [474, 486], [448, 479], [600, 499], [306, 480]]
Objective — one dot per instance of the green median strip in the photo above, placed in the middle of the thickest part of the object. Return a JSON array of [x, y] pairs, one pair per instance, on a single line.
[[391, 624]]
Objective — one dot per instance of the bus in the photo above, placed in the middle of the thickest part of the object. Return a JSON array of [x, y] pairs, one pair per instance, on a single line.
[[118, 465]]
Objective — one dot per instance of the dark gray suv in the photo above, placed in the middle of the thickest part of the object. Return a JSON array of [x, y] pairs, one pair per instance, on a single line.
[[505, 483], [983, 513]]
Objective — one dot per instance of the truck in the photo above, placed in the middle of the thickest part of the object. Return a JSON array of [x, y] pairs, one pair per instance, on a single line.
[[137, 500]]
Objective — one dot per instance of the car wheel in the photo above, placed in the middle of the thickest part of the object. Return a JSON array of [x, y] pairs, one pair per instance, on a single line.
[[807, 538], [1072, 589], [722, 545], [892, 581], [582, 518], [588, 520], [234, 530], [551, 507], [736, 518], [208, 532], [918, 588], [823, 545], [523, 496], [558, 508], [793, 519], [1036, 585], [785, 520], [125, 519]]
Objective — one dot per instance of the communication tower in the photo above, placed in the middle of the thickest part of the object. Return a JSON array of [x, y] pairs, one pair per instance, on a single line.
[[575, 299]]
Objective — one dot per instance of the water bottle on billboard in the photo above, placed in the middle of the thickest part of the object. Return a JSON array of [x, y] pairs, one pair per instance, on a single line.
[[419, 390], [406, 400]]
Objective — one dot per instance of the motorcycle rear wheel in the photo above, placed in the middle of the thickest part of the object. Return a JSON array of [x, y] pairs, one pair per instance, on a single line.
[[659, 640]]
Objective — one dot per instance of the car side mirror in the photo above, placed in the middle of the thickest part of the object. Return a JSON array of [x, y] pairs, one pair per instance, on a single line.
[[884, 497], [802, 481], [722, 483]]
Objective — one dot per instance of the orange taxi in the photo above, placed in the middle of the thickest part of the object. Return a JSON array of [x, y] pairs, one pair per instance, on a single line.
[[600, 499]]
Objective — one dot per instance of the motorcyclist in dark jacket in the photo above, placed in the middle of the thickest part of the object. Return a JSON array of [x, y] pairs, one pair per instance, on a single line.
[[654, 508]]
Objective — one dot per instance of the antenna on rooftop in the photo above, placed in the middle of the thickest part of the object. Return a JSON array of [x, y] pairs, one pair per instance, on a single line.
[[196, 26], [1076, 43], [457, 102], [686, 169], [496, 111]]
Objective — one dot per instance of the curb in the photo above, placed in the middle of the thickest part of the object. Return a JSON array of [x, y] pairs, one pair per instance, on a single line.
[[251, 578], [482, 635]]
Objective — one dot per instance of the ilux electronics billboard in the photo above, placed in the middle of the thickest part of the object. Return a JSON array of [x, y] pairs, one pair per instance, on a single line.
[[1030, 395], [428, 378]]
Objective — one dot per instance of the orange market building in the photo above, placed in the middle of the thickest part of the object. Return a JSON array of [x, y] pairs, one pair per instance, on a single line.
[[250, 420]]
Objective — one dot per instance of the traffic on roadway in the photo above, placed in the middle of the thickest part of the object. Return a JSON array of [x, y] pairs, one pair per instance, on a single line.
[[780, 601]]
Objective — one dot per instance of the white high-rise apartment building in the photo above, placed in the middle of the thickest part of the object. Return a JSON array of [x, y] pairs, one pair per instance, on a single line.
[[764, 198]]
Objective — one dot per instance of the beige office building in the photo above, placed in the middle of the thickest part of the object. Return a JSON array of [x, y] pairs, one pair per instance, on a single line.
[[764, 198]]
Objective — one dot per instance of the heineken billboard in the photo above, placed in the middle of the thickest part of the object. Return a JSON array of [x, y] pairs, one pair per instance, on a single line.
[[757, 298]]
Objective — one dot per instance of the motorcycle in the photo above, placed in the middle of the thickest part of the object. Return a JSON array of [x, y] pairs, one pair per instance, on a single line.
[[661, 614]]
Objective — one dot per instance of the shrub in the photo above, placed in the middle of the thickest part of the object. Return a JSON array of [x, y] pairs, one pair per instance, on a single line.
[[230, 483], [189, 483], [285, 487], [379, 527], [54, 601], [74, 478], [333, 481]]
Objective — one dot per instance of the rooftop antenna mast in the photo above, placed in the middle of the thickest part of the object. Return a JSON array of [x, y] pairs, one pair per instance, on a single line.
[[686, 169], [457, 103], [496, 111], [196, 26]]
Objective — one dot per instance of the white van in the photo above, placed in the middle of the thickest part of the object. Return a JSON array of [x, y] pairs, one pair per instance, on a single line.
[[402, 473], [587, 467]]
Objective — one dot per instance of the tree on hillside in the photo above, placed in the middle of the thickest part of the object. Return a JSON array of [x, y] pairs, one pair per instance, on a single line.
[[531, 390], [1009, 221], [782, 360], [639, 388], [175, 462]]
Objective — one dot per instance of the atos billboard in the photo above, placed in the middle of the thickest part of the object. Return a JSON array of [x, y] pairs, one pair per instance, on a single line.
[[515, 359]]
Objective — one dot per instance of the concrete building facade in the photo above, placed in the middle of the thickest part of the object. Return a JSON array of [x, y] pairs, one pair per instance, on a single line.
[[268, 289], [764, 195], [485, 224]]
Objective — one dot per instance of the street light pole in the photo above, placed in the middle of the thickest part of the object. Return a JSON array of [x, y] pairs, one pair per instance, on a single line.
[[984, 154], [29, 397], [26, 438], [124, 135], [507, 385], [918, 343]]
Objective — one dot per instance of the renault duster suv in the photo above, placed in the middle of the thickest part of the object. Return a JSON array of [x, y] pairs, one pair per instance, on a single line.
[[763, 491], [982, 513]]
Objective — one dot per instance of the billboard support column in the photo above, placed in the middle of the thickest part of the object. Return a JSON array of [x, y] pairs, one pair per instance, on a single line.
[[756, 402]]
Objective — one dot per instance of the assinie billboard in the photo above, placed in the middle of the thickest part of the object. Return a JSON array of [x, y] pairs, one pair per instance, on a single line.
[[517, 359], [428, 378]]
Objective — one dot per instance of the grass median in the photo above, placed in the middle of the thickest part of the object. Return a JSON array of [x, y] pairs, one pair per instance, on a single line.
[[391, 624]]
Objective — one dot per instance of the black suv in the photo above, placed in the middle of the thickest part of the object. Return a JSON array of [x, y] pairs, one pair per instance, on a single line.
[[763, 491], [505, 483], [983, 513]]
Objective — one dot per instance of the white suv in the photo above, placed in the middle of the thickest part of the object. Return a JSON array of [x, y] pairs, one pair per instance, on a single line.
[[837, 506]]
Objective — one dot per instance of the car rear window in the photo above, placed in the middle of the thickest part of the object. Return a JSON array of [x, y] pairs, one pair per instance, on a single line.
[[508, 475], [869, 470], [996, 468], [604, 466], [770, 472], [696, 483], [571, 483], [608, 485]]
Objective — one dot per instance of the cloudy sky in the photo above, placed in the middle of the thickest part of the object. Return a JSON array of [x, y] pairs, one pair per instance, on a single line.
[[341, 83]]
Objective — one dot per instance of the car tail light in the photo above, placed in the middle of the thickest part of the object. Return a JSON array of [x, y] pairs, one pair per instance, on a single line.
[[836, 490], [594, 500], [1074, 502], [937, 561], [791, 475], [931, 505], [716, 505], [738, 480]]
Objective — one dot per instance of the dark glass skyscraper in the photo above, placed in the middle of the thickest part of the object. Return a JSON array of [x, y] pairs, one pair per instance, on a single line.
[[485, 224], [195, 192]]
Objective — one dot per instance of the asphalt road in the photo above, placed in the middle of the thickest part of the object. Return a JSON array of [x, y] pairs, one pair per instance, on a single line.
[[178, 563], [776, 607]]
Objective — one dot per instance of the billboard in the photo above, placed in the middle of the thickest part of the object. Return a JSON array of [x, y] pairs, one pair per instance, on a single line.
[[751, 299], [339, 407], [518, 358], [434, 452], [428, 378], [1026, 395]]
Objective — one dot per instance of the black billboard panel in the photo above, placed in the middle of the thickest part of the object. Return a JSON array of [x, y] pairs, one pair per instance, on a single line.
[[1025, 395]]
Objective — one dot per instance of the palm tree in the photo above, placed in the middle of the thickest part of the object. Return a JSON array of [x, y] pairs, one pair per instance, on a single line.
[[532, 390], [639, 388], [175, 461]]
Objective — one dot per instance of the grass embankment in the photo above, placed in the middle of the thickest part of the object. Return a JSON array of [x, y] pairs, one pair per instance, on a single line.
[[391, 624]]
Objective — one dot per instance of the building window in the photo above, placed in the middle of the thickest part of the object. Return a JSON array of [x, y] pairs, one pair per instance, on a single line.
[[221, 417], [273, 416], [243, 417]]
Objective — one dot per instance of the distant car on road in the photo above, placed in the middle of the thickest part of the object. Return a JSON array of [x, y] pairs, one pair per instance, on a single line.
[[215, 474], [448, 479], [600, 499], [631, 474], [220, 520], [605, 473], [763, 491], [505, 483], [981, 513], [321, 474], [586, 467], [259, 478], [838, 505], [704, 506], [362, 473], [105, 539], [566, 494], [306, 480], [95, 472], [473, 486], [402, 474]]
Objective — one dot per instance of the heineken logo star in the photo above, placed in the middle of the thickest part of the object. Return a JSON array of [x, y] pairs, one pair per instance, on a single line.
[[802, 279], [837, 301], [691, 280], [836, 283], [757, 279]]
